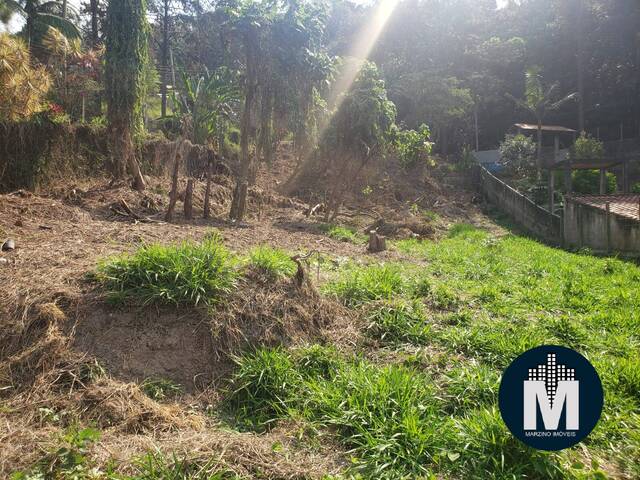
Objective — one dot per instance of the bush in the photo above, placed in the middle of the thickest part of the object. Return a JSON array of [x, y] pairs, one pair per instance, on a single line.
[[518, 154], [413, 147], [273, 262], [188, 273], [588, 181], [587, 149]]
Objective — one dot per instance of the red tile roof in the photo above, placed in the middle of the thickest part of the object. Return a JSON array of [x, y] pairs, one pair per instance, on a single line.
[[623, 204]]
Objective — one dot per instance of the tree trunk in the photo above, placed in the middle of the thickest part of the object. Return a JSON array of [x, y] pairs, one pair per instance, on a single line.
[[377, 243], [164, 56], [539, 152], [188, 200], [95, 41], [239, 203], [580, 62], [123, 157]]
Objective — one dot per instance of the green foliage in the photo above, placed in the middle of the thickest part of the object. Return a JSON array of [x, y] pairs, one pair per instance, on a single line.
[[363, 121], [160, 388], [587, 149], [344, 234], [188, 273], [272, 261], [399, 321], [361, 284], [414, 147], [518, 153], [207, 103], [264, 387], [126, 59], [588, 181]]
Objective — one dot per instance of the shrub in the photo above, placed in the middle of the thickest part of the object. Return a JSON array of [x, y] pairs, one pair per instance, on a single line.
[[518, 154], [188, 273], [588, 181], [414, 147], [587, 148], [272, 261]]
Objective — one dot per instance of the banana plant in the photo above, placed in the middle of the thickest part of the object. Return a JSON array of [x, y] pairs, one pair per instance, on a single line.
[[206, 103]]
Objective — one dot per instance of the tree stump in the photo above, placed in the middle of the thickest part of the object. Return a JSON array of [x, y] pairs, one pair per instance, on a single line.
[[188, 200], [377, 243]]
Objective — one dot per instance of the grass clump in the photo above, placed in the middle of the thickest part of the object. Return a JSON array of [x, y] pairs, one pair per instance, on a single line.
[[264, 387], [188, 273], [399, 321], [362, 284], [273, 262], [344, 234], [160, 388]]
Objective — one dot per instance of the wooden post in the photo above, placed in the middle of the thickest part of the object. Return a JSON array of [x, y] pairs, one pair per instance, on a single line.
[[188, 200], [173, 195], [603, 181], [608, 226]]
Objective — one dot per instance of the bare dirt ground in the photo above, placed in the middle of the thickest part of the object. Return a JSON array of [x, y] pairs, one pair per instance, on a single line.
[[54, 323]]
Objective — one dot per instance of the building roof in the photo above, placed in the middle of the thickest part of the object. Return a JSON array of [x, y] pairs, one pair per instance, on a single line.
[[545, 128], [605, 163], [623, 204]]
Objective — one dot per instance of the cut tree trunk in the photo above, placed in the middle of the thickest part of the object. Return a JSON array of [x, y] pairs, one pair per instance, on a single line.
[[188, 200], [173, 195], [207, 193], [377, 243]]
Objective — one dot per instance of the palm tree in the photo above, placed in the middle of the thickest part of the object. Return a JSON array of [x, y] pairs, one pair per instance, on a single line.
[[39, 16], [539, 101]]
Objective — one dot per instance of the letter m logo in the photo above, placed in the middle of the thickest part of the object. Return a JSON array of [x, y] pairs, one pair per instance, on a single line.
[[566, 396]]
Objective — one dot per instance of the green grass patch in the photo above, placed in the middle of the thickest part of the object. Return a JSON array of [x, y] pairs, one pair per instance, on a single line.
[[160, 388], [273, 262], [399, 321], [344, 234], [360, 284], [393, 419], [188, 273]]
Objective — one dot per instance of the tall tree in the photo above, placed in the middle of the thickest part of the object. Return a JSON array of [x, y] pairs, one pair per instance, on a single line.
[[539, 101], [126, 59]]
